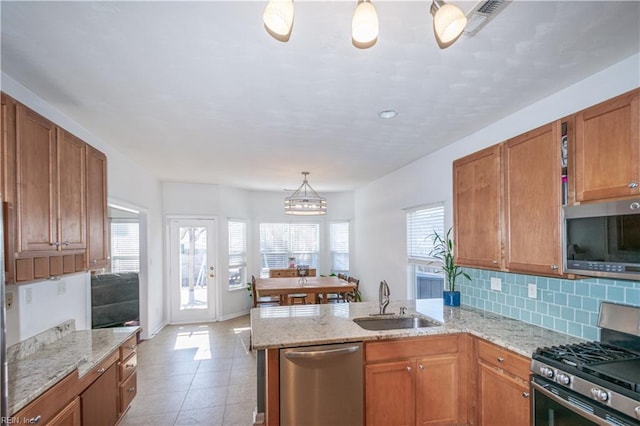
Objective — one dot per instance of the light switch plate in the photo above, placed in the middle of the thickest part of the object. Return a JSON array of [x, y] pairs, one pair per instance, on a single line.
[[496, 284], [9, 300], [532, 291]]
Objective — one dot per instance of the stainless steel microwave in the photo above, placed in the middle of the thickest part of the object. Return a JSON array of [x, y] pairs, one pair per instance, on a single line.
[[603, 239]]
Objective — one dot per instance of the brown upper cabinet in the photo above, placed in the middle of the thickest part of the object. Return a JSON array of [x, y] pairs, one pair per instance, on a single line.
[[607, 149], [97, 225], [533, 201], [477, 188], [48, 177]]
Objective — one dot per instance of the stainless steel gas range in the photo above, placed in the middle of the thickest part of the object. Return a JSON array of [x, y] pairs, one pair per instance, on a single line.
[[593, 383]]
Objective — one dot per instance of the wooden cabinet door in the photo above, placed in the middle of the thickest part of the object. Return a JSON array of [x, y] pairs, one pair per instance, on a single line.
[[35, 174], [97, 225], [69, 416], [437, 390], [100, 400], [71, 190], [607, 149], [476, 214], [532, 201], [8, 180], [390, 394], [503, 400]]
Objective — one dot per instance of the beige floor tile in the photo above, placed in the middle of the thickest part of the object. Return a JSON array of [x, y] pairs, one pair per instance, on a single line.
[[206, 397], [218, 364], [162, 384], [210, 379], [166, 419], [239, 414], [212, 416], [157, 403], [245, 392]]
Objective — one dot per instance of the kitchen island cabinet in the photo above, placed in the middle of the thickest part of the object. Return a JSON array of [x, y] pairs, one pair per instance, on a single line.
[[477, 208], [415, 381], [607, 149]]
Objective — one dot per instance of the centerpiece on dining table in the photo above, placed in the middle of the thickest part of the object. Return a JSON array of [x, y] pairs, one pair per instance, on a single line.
[[303, 273]]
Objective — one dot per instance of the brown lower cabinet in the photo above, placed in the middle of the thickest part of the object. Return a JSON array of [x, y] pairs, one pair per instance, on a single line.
[[100, 400], [69, 416]]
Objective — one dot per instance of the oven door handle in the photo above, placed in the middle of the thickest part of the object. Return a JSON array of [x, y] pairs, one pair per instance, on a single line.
[[597, 420]]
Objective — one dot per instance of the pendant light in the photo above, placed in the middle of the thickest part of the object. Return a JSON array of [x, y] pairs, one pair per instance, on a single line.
[[278, 19], [305, 201], [364, 26], [448, 23]]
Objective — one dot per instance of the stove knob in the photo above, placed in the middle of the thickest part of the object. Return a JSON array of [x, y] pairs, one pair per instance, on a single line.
[[637, 410], [546, 372], [599, 394], [563, 379]]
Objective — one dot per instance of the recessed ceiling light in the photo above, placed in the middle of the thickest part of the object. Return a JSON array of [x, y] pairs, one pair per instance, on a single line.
[[388, 113]]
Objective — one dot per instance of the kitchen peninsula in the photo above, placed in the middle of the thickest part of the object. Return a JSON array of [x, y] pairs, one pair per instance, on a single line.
[[477, 343]]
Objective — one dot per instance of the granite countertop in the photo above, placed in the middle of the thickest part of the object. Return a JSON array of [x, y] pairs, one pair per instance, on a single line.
[[33, 373], [303, 325]]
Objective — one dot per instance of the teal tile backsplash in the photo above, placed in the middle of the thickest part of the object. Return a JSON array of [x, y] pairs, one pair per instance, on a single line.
[[567, 306]]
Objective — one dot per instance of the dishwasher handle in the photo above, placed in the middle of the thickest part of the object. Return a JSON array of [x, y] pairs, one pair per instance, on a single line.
[[320, 354]]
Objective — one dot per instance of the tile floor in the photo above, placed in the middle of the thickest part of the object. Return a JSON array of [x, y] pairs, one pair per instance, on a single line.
[[196, 374]]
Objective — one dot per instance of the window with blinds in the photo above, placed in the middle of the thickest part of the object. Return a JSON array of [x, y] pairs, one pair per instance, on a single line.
[[280, 241], [125, 246], [421, 224], [339, 247], [237, 253]]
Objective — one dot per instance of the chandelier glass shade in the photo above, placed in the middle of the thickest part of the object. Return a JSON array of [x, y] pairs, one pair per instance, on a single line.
[[305, 201]]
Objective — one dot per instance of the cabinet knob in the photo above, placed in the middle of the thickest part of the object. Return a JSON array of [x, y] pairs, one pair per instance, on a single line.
[[421, 367], [495, 262], [500, 359], [66, 243], [34, 420], [554, 267], [101, 370], [131, 389], [633, 185], [525, 394], [130, 365], [409, 369], [57, 244]]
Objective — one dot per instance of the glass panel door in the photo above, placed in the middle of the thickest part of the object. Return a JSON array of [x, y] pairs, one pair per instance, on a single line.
[[193, 273]]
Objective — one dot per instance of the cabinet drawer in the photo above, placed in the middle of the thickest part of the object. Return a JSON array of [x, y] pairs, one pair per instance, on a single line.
[[410, 348], [98, 370], [128, 390], [128, 347], [505, 359], [128, 366], [50, 403]]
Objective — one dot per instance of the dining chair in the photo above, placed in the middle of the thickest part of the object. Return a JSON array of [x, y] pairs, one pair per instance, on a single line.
[[264, 300], [336, 297], [352, 296]]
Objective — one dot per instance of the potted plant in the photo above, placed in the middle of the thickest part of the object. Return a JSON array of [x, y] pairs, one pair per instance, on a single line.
[[443, 251]]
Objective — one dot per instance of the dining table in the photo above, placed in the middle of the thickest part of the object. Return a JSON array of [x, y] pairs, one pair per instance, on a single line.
[[311, 286]]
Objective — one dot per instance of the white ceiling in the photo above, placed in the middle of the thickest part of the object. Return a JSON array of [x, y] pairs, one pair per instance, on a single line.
[[199, 92]]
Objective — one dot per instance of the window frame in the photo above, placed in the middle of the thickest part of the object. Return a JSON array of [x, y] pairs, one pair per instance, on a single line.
[[333, 251], [242, 254], [114, 257], [289, 252]]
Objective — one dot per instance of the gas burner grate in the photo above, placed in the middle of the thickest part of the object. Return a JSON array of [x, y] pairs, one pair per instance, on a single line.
[[581, 354]]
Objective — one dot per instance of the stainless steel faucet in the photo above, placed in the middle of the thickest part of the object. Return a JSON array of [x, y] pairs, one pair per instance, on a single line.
[[383, 296]]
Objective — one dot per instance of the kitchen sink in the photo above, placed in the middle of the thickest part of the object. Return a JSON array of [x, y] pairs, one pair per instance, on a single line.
[[394, 323]]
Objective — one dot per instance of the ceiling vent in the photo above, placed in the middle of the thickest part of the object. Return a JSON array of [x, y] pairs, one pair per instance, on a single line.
[[482, 14]]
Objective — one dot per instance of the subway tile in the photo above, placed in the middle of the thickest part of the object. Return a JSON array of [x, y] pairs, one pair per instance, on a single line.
[[615, 294], [632, 296], [554, 284], [568, 313], [575, 301], [542, 283], [594, 318], [589, 332], [560, 325], [598, 291], [548, 321], [510, 300], [561, 299], [574, 329], [530, 305], [547, 296], [515, 313], [505, 310], [582, 289], [554, 311], [536, 318], [500, 298], [582, 316], [542, 308], [567, 287], [525, 316], [590, 304]]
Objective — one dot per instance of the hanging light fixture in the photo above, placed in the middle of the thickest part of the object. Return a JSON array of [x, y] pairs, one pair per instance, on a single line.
[[278, 19], [448, 23], [305, 201], [364, 26]]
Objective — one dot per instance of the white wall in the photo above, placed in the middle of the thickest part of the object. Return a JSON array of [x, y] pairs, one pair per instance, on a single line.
[[128, 183], [380, 221]]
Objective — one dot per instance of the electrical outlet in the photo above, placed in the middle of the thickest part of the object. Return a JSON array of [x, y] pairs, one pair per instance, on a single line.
[[62, 287], [532, 291], [28, 295], [8, 298], [496, 284]]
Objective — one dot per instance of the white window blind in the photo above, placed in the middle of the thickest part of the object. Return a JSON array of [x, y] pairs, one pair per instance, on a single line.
[[421, 224], [339, 246], [125, 246], [237, 253], [279, 241]]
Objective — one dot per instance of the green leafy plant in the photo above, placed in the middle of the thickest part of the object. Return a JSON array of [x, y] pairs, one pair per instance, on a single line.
[[443, 251]]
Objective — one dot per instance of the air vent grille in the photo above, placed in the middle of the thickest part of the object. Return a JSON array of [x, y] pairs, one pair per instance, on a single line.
[[482, 14]]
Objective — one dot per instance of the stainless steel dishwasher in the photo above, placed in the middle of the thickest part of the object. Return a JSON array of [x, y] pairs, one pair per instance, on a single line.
[[321, 385]]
